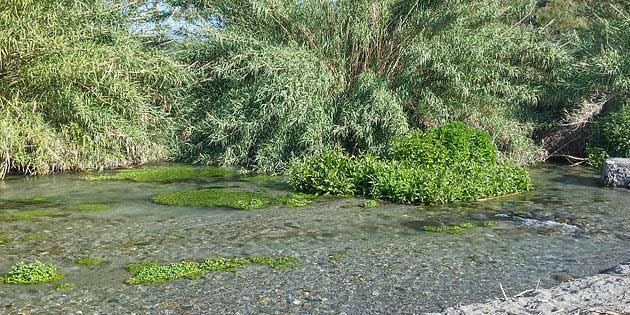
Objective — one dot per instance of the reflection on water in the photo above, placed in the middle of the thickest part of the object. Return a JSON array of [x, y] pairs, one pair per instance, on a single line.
[[566, 227]]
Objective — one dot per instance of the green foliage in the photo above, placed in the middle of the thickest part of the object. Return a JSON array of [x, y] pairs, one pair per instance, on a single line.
[[66, 286], [356, 74], [165, 173], [89, 207], [370, 204], [5, 239], [611, 137], [453, 163], [79, 91], [28, 215], [31, 273], [459, 228], [215, 197], [451, 143], [89, 261], [153, 273]]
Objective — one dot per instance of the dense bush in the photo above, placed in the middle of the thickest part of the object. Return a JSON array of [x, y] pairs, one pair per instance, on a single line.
[[452, 162], [79, 91]]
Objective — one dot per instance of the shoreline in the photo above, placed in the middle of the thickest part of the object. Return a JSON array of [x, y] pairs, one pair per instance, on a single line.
[[604, 293]]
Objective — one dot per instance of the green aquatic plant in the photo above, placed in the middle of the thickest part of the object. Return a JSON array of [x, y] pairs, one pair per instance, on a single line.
[[66, 286], [286, 262], [32, 214], [297, 200], [457, 228], [216, 197], [370, 204], [31, 273], [5, 239], [165, 173], [454, 162], [89, 261], [152, 273], [88, 207]]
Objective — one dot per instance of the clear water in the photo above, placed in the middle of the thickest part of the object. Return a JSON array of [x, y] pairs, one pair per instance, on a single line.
[[356, 260]]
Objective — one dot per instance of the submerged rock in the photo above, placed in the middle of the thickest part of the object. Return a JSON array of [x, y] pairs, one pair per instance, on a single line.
[[616, 173]]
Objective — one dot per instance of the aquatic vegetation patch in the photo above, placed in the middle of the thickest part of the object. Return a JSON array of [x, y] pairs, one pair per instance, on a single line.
[[152, 273], [5, 239], [450, 163], [457, 228], [31, 273], [28, 215], [89, 261], [88, 207], [63, 287], [165, 173], [216, 197], [370, 204], [297, 200]]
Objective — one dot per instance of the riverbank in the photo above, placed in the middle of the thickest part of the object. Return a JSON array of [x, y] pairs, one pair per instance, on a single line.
[[605, 293]]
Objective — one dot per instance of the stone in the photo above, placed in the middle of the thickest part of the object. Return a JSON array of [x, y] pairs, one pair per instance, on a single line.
[[616, 173]]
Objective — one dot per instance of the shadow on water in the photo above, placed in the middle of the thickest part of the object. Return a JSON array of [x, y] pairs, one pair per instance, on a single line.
[[579, 180]]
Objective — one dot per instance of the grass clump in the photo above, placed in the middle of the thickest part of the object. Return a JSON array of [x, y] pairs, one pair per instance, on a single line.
[[89, 262], [215, 197], [63, 287], [153, 273], [31, 273], [450, 163], [165, 173], [88, 207]]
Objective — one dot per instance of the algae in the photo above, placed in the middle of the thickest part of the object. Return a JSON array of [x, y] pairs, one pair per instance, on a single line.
[[216, 197], [165, 173]]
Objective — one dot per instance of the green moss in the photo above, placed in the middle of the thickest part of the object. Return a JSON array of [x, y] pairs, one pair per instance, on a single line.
[[458, 228], [216, 197], [370, 204], [152, 273], [65, 287], [165, 173], [88, 207], [89, 262], [31, 273]]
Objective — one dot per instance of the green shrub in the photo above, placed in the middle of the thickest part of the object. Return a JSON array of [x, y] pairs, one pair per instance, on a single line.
[[31, 273], [446, 164], [329, 172], [611, 137], [451, 143]]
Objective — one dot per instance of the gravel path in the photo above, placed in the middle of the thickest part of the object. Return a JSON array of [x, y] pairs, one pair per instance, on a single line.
[[605, 294]]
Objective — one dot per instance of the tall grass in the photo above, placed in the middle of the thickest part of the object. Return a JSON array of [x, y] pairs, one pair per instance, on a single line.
[[78, 91]]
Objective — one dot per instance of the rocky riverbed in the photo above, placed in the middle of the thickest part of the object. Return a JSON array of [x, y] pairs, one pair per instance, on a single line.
[[356, 257]]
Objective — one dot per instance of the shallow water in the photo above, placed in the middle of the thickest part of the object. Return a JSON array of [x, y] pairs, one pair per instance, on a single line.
[[356, 260]]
